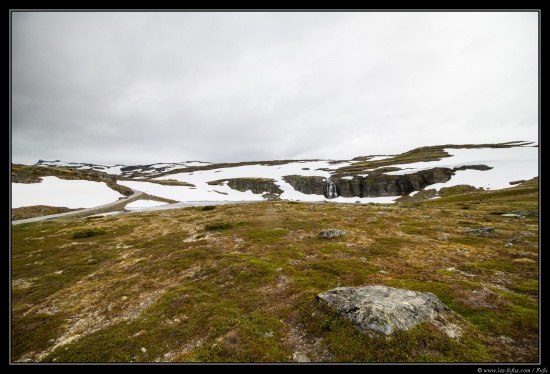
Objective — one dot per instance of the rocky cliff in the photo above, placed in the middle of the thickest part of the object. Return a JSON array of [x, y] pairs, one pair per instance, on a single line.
[[256, 185], [390, 185], [373, 185]]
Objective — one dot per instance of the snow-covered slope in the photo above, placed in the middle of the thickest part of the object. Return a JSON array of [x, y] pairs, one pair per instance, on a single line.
[[506, 165]]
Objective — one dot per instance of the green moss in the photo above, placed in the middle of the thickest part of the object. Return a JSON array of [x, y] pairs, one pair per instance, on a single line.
[[422, 343], [87, 233], [387, 246], [114, 345], [265, 235], [459, 189], [530, 286], [219, 226], [505, 266], [241, 291], [34, 332], [256, 337], [468, 240]]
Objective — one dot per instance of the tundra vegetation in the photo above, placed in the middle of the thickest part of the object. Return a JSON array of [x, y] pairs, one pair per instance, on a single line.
[[237, 283]]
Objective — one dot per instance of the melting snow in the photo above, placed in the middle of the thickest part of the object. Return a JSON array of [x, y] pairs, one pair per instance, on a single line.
[[53, 191], [508, 165]]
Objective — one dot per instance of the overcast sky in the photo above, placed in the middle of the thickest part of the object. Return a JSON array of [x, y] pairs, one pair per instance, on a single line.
[[146, 87]]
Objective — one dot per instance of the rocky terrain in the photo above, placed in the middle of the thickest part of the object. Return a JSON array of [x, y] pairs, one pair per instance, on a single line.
[[451, 280]]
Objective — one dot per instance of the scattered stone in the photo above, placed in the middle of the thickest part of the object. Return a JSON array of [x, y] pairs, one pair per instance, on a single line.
[[506, 339], [511, 215], [331, 233], [523, 260], [383, 272], [482, 231], [516, 182], [143, 349], [526, 213], [508, 245], [381, 309], [463, 249], [300, 357], [522, 253]]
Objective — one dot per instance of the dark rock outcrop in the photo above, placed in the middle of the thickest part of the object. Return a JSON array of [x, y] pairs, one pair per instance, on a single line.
[[313, 185], [473, 167], [382, 310], [310, 185], [256, 185], [375, 184]]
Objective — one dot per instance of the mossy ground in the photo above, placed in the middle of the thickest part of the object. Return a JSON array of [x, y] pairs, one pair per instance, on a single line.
[[237, 283]]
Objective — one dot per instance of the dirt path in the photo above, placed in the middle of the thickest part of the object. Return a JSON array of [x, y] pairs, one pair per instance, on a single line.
[[87, 211]]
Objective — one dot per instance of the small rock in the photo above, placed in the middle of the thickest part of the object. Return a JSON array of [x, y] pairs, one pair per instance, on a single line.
[[522, 253], [508, 245], [331, 233], [300, 357], [482, 231], [512, 215]]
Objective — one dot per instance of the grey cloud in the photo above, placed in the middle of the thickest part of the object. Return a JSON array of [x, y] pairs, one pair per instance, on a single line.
[[141, 87]]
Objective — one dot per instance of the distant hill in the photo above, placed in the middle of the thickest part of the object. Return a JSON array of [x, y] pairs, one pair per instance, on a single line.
[[422, 173]]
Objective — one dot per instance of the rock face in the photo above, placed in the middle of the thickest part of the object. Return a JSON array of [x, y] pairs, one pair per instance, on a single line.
[[256, 185], [307, 184], [375, 184], [382, 309]]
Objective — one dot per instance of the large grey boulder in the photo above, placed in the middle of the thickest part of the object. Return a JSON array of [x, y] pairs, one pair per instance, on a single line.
[[381, 309]]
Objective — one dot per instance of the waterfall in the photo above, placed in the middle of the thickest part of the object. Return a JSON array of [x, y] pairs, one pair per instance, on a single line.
[[330, 189]]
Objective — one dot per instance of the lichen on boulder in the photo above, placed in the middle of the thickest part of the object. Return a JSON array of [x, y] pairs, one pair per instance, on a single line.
[[382, 310]]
